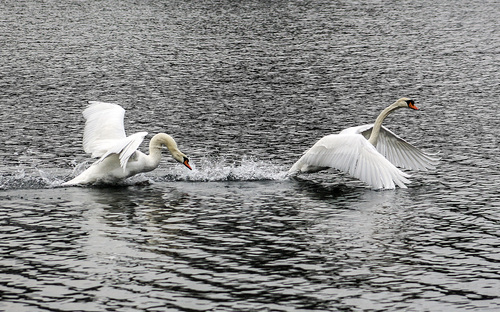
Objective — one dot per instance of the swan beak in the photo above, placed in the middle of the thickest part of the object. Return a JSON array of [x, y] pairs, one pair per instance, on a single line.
[[412, 106], [186, 163]]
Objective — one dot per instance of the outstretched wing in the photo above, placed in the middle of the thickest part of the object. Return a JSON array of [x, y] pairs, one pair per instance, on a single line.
[[125, 148], [353, 154], [103, 127], [398, 151], [105, 133]]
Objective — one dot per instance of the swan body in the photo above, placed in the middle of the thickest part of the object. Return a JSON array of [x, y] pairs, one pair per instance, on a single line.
[[104, 137], [369, 153]]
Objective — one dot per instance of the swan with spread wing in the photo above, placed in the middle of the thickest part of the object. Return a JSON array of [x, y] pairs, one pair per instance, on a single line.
[[369, 153], [119, 158]]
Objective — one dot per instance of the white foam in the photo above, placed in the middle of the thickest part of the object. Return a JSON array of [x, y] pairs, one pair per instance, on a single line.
[[219, 169], [29, 178], [204, 170]]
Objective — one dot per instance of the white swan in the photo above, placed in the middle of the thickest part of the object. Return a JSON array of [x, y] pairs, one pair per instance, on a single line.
[[105, 137], [369, 153]]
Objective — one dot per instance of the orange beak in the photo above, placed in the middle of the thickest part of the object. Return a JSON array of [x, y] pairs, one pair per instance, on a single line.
[[412, 106], [186, 163]]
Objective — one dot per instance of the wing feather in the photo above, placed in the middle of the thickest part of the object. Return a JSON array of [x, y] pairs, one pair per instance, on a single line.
[[397, 150], [125, 148], [353, 154], [104, 133], [103, 126]]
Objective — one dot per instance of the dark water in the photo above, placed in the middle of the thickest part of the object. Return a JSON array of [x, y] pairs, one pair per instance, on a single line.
[[245, 87]]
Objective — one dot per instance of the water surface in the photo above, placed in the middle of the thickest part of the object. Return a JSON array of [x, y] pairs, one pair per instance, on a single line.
[[245, 88]]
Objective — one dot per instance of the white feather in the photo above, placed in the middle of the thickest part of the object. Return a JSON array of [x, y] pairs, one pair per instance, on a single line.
[[104, 133], [119, 158], [397, 150], [103, 127], [369, 153], [352, 154]]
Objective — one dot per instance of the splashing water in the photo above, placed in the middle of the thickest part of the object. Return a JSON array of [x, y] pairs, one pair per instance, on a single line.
[[205, 170], [27, 178], [219, 169]]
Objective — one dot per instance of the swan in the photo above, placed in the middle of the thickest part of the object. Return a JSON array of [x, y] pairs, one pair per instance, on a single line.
[[104, 137], [369, 153]]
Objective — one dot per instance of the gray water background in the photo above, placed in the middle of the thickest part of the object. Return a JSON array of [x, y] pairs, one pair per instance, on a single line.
[[245, 87]]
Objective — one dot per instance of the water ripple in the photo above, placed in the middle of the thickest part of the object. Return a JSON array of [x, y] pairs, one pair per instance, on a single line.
[[245, 88]]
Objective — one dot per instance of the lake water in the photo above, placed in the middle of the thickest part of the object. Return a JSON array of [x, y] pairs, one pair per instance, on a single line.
[[245, 87]]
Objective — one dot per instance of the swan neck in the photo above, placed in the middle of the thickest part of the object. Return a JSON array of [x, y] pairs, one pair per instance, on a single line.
[[163, 139], [155, 145], [154, 156], [378, 123]]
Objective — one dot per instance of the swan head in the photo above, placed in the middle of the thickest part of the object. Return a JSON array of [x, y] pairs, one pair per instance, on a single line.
[[182, 158], [406, 102], [163, 139]]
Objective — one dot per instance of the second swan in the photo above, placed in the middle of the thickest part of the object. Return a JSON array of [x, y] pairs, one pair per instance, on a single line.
[[369, 153]]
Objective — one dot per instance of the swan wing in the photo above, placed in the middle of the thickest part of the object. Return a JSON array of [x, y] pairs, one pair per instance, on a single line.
[[125, 148], [398, 151], [353, 154], [103, 127]]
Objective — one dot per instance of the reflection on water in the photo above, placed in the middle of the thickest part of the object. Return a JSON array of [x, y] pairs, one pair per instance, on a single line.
[[245, 88], [239, 245]]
